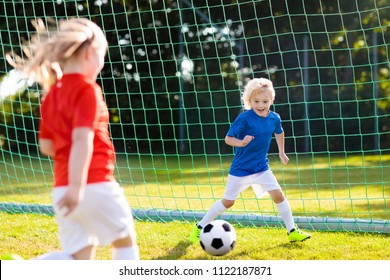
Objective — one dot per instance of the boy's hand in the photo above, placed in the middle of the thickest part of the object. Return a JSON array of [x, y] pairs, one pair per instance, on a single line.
[[284, 158], [247, 139]]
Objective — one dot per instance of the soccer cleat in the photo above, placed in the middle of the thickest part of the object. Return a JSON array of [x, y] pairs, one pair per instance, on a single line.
[[195, 234], [297, 235]]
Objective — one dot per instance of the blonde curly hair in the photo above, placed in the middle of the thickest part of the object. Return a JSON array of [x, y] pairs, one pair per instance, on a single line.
[[52, 45], [256, 86]]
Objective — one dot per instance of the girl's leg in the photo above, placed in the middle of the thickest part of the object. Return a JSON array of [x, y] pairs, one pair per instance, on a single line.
[[54, 256], [125, 249], [87, 253]]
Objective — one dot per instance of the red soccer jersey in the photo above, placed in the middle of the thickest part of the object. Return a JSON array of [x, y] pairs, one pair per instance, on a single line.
[[76, 101]]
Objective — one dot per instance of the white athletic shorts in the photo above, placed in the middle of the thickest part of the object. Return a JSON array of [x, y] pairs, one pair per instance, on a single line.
[[261, 183], [102, 217]]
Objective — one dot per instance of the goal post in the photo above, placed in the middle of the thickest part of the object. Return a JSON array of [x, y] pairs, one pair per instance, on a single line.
[[172, 81]]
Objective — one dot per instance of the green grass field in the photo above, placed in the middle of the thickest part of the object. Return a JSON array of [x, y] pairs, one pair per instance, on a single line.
[[30, 235], [346, 186]]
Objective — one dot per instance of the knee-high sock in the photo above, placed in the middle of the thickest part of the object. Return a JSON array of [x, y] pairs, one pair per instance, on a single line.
[[285, 213], [125, 253], [215, 210], [55, 256]]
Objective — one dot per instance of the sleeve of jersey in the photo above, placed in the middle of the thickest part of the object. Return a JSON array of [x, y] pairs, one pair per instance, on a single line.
[[43, 133], [236, 128], [86, 109], [278, 126]]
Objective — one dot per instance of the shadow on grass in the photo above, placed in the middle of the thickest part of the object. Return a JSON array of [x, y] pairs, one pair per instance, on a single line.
[[175, 253], [291, 245]]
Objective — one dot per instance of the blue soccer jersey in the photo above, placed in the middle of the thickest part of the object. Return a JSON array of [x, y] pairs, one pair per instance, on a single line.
[[252, 158]]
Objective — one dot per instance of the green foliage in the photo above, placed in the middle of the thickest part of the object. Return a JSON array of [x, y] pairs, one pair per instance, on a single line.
[[155, 107], [19, 117]]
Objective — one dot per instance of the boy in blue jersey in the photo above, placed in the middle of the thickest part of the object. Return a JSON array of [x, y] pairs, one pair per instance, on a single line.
[[251, 134]]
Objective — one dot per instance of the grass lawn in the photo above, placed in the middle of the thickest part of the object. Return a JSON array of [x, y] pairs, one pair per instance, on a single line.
[[30, 235], [341, 186]]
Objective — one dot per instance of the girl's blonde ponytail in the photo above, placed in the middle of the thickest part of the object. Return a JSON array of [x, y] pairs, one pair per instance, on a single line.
[[52, 45]]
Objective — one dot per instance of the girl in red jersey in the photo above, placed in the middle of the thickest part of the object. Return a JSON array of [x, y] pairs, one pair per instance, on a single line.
[[90, 206]]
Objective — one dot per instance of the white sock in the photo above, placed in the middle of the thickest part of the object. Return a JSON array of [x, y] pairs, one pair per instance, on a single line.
[[125, 253], [215, 210], [54, 256], [284, 210]]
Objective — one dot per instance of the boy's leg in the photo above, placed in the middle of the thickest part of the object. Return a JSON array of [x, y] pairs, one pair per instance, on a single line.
[[234, 186], [215, 210], [284, 209], [285, 213]]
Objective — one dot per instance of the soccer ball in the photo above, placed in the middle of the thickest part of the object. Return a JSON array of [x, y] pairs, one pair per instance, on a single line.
[[218, 238]]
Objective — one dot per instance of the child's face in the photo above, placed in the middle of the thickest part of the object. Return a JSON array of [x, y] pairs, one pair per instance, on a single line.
[[99, 58], [95, 60], [260, 103]]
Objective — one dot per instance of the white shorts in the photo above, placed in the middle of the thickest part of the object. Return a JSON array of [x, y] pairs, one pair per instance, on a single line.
[[102, 217], [261, 183]]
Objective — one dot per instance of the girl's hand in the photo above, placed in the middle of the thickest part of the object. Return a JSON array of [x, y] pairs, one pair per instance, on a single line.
[[284, 158], [73, 196]]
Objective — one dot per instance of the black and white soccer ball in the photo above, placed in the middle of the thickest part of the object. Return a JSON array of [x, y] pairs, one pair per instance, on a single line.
[[218, 238]]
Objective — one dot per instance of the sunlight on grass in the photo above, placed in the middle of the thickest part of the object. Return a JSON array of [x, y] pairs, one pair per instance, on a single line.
[[32, 235], [334, 185]]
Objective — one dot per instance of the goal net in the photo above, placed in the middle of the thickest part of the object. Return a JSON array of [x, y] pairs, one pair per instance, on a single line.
[[172, 81]]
